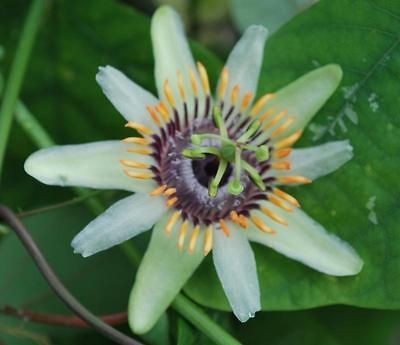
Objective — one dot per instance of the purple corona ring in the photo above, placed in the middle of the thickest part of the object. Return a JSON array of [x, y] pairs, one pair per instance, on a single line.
[[207, 171]]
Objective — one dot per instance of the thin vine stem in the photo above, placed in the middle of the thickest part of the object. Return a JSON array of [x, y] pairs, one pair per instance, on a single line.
[[17, 72]]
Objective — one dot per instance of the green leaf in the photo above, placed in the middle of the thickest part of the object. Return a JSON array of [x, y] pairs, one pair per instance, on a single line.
[[359, 202]]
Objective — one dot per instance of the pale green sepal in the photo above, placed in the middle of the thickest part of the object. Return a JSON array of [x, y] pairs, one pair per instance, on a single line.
[[163, 271]]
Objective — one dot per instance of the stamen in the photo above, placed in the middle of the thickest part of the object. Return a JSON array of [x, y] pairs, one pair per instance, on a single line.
[[219, 121], [224, 82], [181, 85], [204, 78], [282, 128], [214, 184], [170, 191], [267, 114], [289, 141], [261, 225], [193, 82], [262, 153], [139, 127], [282, 153], [169, 94], [236, 187], [158, 190], [255, 176], [275, 120], [193, 239], [163, 110], [171, 222], [260, 103], [285, 165], [287, 197], [182, 234], [171, 202], [224, 228], [139, 175], [294, 179], [274, 216], [153, 115], [235, 94], [134, 164], [136, 140], [279, 203], [141, 151], [246, 101], [208, 240]]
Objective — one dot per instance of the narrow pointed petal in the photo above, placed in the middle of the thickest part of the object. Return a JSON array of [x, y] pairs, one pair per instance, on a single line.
[[245, 60], [319, 160], [93, 165], [127, 97], [122, 221], [163, 271], [304, 97], [306, 241], [171, 51], [236, 268]]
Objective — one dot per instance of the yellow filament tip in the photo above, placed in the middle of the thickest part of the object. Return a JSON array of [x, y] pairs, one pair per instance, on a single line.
[[274, 216], [278, 202], [276, 119], [287, 197], [163, 110], [261, 225], [193, 239], [289, 141], [223, 83], [246, 100], [224, 228], [285, 165], [181, 85], [283, 127], [169, 94], [208, 240], [171, 202], [204, 77], [134, 164], [158, 190], [171, 222], [182, 234], [141, 151], [136, 140], [294, 179], [282, 153], [153, 115], [139, 127], [235, 94], [193, 82], [139, 175], [170, 191], [261, 103]]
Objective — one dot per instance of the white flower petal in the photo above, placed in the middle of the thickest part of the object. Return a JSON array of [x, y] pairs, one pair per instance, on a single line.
[[319, 160], [162, 273], [93, 165], [172, 54], [127, 97], [245, 60], [304, 240], [236, 268], [122, 221], [303, 98]]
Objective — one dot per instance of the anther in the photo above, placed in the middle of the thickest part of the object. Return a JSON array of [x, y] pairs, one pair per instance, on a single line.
[[294, 179], [153, 115], [246, 101], [278, 202], [289, 141], [266, 115], [140, 151], [261, 225], [282, 128], [224, 228], [235, 94], [171, 202], [193, 82], [139, 127], [169, 191], [285, 165], [169, 94], [136, 140], [158, 190], [163, 110], [193, 239], [181, 85], [223, 83], [274, 216], [287, 197], [171, 222], [182, 234], [282, 153], [139, 175], [204, 78], [276, 119], [261, 103], [208, 240], [134, 164]]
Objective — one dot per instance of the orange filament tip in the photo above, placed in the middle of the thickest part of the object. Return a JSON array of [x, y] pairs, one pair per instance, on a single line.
[[235, 94], [208, 240], [170, 191], [281, 129], [285, 165], [266, 115], [294, 179], [193, 82], [141, 128], [169, 94], [276, 119], [134, 164], [181, 85], [139, 175], [153, 115], [274, 216], [261, 225], [282, 153], [171, 202], [204, 78], [163, 110], [289, 141], [193, 239], [224, 228], [285, 196], [223, 83], [158, 190], [136, 140], [141, 151], [182, 234], [171, 222], [278, 202], [246, 100], [261, 103]]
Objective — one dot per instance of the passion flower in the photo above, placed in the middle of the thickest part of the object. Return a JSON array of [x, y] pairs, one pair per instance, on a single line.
[[206, 171]]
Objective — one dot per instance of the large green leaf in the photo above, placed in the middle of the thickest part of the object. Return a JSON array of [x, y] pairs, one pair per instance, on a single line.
[[359, 202]]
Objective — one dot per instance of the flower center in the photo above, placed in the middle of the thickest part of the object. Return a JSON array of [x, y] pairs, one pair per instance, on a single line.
[[205, 169]]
